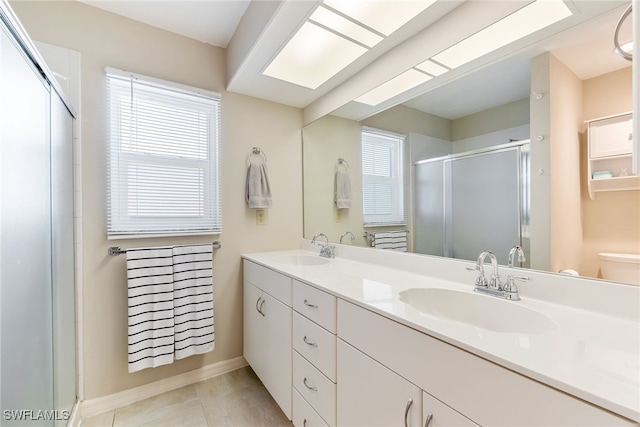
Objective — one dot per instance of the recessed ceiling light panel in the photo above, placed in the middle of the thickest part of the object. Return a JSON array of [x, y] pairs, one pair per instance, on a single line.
[[528, 20], [342, 25], [432, 68], [313, 56], [383, 16], [401, 83]]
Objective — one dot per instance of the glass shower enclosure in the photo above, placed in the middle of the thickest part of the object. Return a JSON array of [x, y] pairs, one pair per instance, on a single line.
[[470, 202], [37, 289]]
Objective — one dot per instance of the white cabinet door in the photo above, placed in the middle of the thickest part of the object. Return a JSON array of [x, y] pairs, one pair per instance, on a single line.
[[253, 324], [370, 394], [267, 342], [276, 351], [611, 137], [437, 414]]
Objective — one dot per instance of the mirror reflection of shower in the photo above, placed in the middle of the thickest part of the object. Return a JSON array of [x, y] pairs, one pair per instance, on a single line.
[[471, 201]]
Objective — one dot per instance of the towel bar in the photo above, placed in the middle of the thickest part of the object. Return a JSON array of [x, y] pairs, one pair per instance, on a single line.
[[115, 250]]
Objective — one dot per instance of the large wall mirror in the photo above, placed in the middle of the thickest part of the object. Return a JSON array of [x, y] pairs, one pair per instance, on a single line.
[[495, 157]]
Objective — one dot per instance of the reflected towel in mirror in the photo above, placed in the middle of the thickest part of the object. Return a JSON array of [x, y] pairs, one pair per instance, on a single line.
[[342, 189]]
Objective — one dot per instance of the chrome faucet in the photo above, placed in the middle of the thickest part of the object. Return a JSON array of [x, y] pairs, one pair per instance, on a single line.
[[327, 251], [353, 238], [494, 285], [516, 250], [494, 282]]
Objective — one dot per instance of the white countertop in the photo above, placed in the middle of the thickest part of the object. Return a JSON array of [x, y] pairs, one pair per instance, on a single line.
[[593, 356]]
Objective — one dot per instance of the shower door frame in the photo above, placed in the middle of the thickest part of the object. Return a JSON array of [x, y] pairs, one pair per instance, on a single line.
[[523, 173]]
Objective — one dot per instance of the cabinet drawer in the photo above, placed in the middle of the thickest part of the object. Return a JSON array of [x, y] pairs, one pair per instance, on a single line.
[[315, 304], [317, 389], [316, 344], [442, 415], [304, 415], [611, 137], [275, 284]]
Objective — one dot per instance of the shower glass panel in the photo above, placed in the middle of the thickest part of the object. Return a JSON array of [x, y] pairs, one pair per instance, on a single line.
[[64, 320], [429, 208], [25, 237], [481, 203], [470, 202]]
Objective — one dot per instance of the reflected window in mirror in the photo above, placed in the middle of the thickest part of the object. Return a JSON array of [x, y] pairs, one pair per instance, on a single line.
[[383, 178]]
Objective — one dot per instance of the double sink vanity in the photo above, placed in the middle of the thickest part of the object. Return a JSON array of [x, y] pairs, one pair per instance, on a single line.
[[383, 338]]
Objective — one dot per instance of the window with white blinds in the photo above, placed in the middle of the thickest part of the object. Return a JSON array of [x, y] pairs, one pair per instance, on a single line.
[[383, 178], [163, 157]]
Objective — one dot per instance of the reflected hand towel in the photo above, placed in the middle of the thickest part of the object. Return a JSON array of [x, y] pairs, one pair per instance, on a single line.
[[342, 189]]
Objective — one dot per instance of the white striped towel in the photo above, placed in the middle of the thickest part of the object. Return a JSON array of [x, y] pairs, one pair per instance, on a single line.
[[394, 240], [170, 304], [150, 307], [193, 300]]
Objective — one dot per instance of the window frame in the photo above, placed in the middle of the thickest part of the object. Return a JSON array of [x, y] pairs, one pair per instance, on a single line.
[[397, 179], [203, 168]]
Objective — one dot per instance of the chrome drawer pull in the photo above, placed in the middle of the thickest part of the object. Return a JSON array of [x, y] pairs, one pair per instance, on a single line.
[[257, 303], [312, 344], [428, 420], [261, 304], [406, 413], [307, 385], [304, 423], [308, 304]]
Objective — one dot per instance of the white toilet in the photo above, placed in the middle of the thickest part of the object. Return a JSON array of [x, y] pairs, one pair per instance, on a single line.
[[623, 268]]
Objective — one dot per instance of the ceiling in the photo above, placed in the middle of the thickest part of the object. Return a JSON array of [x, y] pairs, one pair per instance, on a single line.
[[253, 32]]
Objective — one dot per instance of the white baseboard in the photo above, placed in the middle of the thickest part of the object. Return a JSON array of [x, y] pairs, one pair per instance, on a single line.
[[74, 418], [91, 407]]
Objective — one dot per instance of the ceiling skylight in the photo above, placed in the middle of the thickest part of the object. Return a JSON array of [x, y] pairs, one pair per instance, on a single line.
[[313, 56], [531, 18], [405, 81], [382, 16], [344, 26], [337, 33], [432, 68], [528, 20]]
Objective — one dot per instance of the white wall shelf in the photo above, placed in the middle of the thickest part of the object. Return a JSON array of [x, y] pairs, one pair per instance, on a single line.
[[610, 150]]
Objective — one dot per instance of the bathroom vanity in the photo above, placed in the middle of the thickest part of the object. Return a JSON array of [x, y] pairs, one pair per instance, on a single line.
[[383, 338]]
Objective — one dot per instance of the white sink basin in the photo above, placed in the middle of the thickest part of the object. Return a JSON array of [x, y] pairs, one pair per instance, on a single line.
[[306, 260], [482, 311]]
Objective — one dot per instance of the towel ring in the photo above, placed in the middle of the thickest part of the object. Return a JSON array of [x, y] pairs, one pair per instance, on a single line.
[[342, 162], [256, 151]]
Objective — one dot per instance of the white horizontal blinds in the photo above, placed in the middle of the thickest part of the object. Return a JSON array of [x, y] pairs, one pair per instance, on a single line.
[[163, 172], [383, 178]]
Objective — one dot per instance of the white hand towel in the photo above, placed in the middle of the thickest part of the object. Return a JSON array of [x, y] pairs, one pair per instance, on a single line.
[[193, 300], [258, 194], [150, 307], [342, 189]]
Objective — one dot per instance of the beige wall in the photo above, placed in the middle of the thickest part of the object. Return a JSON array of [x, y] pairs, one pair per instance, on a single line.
[[566, 126], [326, 140], [491, 120], [106, 39], [540, 163], [610, 221]]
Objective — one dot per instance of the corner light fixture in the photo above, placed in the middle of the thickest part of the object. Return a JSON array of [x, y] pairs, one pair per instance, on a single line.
[[336, 34], [525, 21]]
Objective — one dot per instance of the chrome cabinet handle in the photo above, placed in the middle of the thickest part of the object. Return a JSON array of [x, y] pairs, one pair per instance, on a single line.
[[428, 420], [308, 386], [312, 344], [304, 423], [406, 413], [261, 304], [257, 303], [308, 304]]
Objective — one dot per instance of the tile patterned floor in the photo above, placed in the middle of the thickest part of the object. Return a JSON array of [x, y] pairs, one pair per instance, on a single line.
[[237, 398]]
